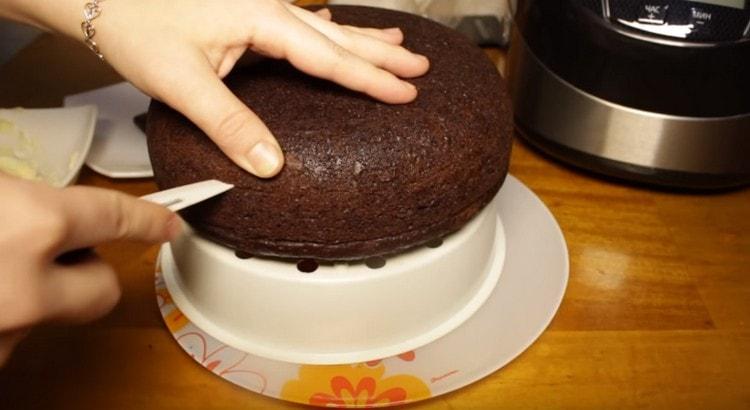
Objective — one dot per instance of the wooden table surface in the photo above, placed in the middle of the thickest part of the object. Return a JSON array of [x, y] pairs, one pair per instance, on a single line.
[[656, 314]]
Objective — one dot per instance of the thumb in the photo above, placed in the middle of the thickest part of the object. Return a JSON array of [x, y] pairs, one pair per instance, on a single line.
[[235, 129]]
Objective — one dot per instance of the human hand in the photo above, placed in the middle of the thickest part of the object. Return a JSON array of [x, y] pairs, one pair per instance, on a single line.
[[38, 224], [177, 51]]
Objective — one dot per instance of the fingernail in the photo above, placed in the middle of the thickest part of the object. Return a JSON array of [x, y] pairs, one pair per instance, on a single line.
[[392, 30], [264, 159]]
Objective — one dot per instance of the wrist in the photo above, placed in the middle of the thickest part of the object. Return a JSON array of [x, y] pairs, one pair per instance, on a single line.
[[61, 16]]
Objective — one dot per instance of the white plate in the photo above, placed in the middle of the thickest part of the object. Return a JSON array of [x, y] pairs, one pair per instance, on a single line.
[[51, 142], [119, 149], [522, 305]]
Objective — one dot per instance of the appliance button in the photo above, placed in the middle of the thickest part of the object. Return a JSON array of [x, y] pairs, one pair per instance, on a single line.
[[653, 13], [699, 16], [701, 20]]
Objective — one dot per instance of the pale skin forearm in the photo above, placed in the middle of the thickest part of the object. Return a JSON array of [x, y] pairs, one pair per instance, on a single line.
[[62, 16]]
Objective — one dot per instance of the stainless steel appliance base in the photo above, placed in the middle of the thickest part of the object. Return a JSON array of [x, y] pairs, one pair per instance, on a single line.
[[620, 141], [631, 173]]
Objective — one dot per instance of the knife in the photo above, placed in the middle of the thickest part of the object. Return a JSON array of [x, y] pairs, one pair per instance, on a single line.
[[186, 195]]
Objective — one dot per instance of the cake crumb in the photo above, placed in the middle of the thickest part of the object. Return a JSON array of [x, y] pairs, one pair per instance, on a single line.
[[293, 162]]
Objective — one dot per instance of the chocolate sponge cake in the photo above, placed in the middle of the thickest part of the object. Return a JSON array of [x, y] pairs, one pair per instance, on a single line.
[[362, 178]]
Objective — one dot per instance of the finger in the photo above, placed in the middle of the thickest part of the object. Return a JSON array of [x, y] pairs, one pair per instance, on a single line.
[[315, 54], [235, 129], [393, 58], [93, 216], [392, 35], [82, 292]]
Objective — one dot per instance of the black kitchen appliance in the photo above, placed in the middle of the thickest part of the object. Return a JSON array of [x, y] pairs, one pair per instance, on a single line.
[[656, 91]]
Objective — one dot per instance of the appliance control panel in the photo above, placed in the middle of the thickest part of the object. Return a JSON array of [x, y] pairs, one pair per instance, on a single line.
[[699, 21]]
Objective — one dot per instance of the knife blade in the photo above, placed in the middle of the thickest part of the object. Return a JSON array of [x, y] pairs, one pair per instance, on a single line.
[[186, 195]]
